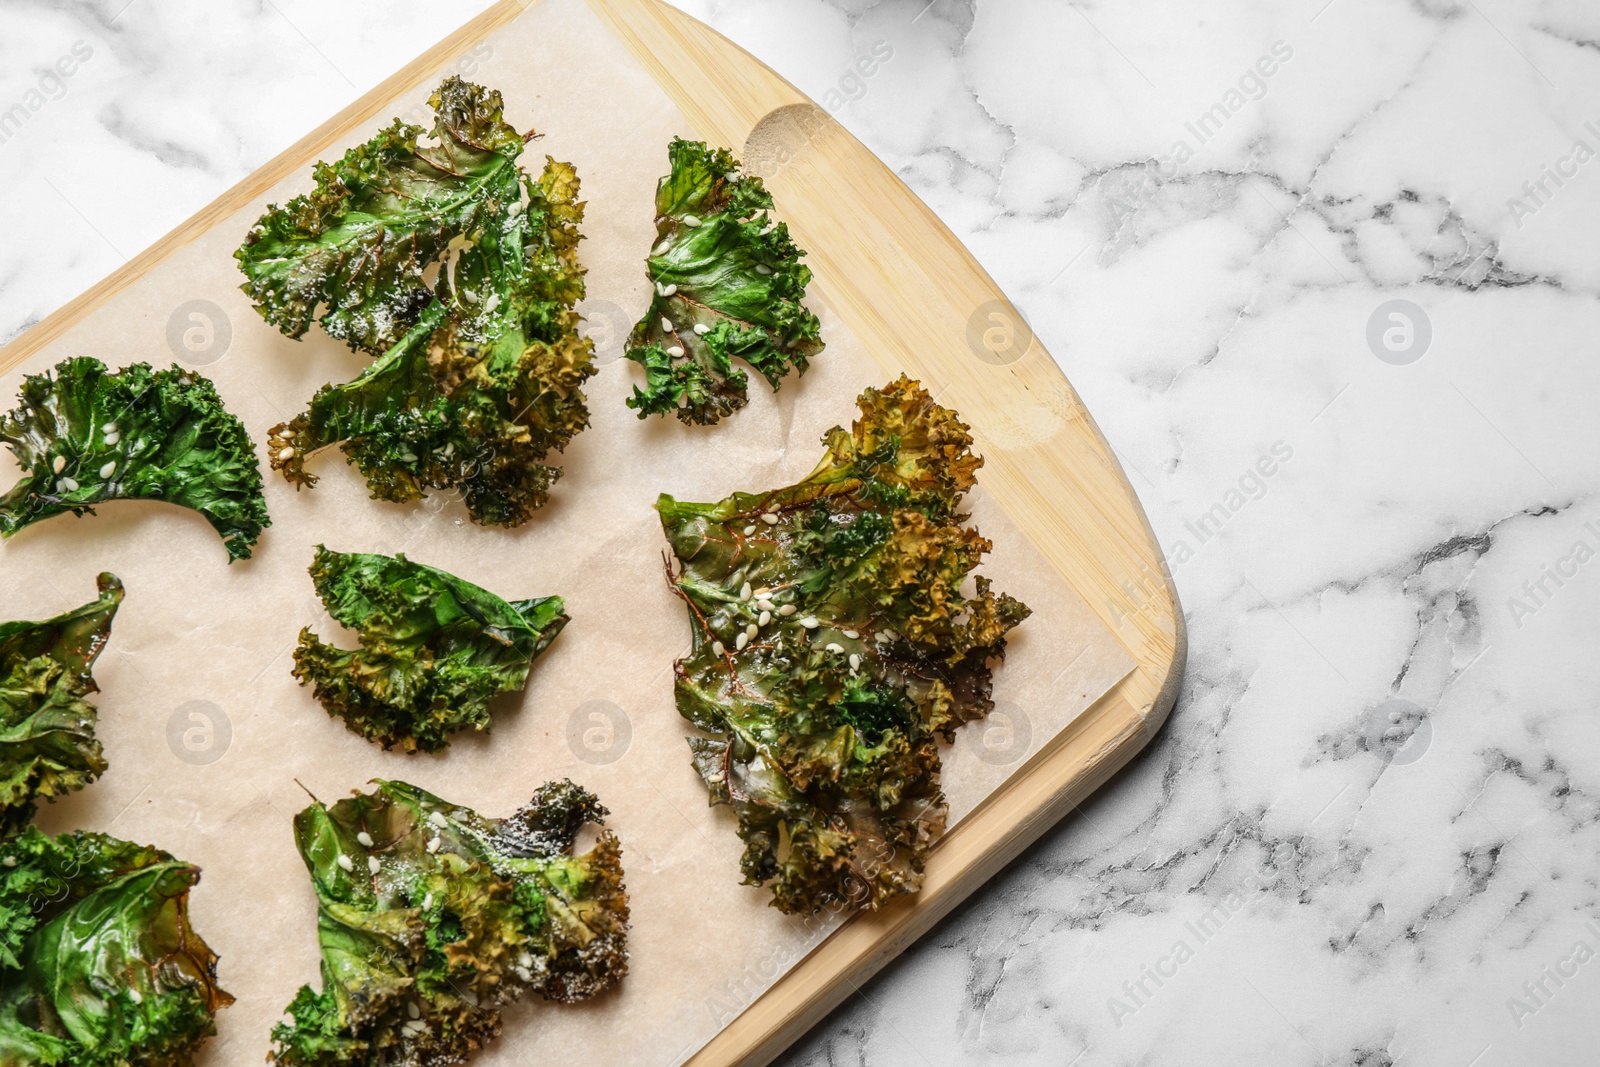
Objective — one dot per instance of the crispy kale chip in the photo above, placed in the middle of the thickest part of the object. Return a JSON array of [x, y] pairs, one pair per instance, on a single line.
[[47, 742], [99, 966], [86, 436], [728, 282], [478, 373], [434, 649], [433, 918], [833, 646]]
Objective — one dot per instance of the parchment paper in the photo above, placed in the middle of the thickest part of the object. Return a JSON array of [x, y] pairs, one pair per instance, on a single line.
[[208, 735]]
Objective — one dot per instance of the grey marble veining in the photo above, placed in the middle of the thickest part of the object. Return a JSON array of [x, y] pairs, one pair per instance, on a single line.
[[1370, 833]]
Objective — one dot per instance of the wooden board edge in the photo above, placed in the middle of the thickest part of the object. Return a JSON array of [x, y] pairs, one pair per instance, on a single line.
[[285, 164]]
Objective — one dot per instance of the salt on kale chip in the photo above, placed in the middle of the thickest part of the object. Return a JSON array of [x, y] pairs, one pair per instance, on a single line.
[[432, 918], [434, 650], [48, 746], [833, 647], [87, 435], [99, 966], [728, 282], [459, 273]]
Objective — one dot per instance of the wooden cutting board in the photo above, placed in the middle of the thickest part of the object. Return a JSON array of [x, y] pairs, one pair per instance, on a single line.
[[903, 284]]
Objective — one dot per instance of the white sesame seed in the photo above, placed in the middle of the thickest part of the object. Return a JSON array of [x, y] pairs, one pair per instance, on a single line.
[[69, 484], [763, 603], [701, 329], [740, 641], [663, 246], [111, 427], [113, 438], [427, 902], [59, 465], [691, 221], [744, 591], [765, 617], [751, 631], [748, 530], [787, 609], [763, 269], [855, 661], [834, 646], [676, 351], [9, 861], [108, 469], [138, 446], [412, 1009], [433, 844], [770, 519], [372, 864], [718, 648], [669, 290], [851, 634], [809, 622], [666, 324], [365, 839], [285, 454], [344, 861], [437, 819]]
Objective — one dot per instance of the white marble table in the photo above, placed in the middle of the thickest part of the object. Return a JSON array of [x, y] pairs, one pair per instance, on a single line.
[[1206, 210]]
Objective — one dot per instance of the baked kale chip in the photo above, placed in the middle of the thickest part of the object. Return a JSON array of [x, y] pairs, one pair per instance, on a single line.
[[728, 282], [434, 649], [478, 369], [87, 435], [99, 966], [432, 919], [833, 647], [47, 742]]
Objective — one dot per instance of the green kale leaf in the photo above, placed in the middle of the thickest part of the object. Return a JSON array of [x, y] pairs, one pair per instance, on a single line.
[[47, 742], [86, 436], [727, 282], [833, 646], [434, 649], [99, 966], [478, 373], [432, 919]]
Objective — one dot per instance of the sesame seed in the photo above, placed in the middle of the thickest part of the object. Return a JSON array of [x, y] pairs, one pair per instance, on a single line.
[[60, 464], [762, 268], [718, 648], [744, 591], [701, 329], [365, 839], [111, 427], [433, 844], [437, 819], [109, 469], [9, 861], [285, 454], [787, 609], [851, 634], [766, 617], [809, 622], [691, 221], [676, 351], [69, 484], [372, 864], [740, 641], [113, 438], [138, 446], [427, 902], [751, 631], [763, 603], [748, 530], [663, 246], [666, 325], [855, 661], [770, 519], [344, 861], [412, 1009], [669, 290], [834, 646]]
